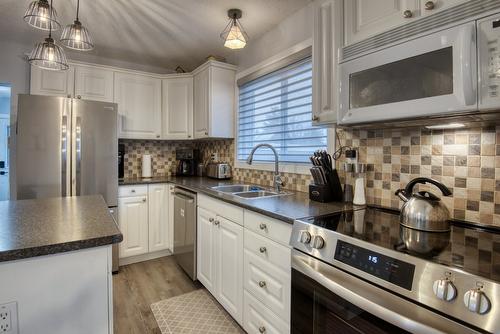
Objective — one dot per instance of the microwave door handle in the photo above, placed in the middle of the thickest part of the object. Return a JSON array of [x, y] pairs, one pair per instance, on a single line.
[[468, 64]]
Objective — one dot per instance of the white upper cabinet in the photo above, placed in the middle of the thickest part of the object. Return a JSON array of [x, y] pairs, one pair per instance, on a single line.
[[365, 18], [52, 83], [429, 7], [214, 91], [139, 106], [177, 108], [93, 83], [327, 38]]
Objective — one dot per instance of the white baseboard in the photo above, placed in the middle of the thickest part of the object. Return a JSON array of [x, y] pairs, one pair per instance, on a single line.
[[144, 257]]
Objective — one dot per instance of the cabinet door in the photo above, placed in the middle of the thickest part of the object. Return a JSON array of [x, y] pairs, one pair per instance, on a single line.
[[206, 249], [229, 255], [327, 35], [177, 108], [52, 83], [429, 7], [139, 106], [364, 18], [133, 221], [158, 217], [93, 84], [201, 103]]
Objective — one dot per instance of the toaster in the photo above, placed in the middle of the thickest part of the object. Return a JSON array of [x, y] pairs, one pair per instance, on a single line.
[[218, 170]]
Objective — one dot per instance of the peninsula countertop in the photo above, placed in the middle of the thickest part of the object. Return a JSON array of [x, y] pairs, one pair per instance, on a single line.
[[286, 208], [37, 227]]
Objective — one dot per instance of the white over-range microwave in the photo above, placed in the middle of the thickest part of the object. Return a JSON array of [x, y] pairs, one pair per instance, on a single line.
[[449, 72]]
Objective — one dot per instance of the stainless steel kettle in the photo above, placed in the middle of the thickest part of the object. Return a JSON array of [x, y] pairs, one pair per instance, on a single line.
[[423, 210]]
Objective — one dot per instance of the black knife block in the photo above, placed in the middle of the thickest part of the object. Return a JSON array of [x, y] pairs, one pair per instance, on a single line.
[[330, 192]]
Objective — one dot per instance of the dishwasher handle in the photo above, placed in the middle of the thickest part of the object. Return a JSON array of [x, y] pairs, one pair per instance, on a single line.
[[184, 197]]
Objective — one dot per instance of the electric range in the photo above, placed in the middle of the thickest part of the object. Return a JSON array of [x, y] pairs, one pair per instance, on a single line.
[[378, 276]]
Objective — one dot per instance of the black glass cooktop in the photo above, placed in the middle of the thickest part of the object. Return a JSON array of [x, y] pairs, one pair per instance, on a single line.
[[466, 247]]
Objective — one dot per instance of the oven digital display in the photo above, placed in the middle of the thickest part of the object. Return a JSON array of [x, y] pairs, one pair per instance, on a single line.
[[384, 267]]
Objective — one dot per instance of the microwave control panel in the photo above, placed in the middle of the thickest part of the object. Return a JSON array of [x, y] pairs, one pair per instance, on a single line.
[[489, 62]]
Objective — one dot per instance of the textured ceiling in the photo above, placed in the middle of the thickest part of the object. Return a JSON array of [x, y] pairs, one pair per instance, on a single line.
[[161, 33]]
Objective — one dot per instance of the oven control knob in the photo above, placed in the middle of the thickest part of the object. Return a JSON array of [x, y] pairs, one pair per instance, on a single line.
[[444, 289], [476, 301], [305, 237], [317, 242]]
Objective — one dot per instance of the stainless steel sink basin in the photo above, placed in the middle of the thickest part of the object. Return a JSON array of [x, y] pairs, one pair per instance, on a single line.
[[258, 194], [237, 188]]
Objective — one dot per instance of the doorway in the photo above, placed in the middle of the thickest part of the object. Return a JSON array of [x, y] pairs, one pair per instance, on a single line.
[[5, 102]]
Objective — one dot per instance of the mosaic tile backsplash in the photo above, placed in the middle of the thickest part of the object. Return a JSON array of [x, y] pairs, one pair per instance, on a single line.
[[467, 161]]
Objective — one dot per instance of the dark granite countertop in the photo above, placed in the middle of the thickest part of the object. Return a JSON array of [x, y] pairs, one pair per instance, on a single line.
[[286, 208], [36, 227]]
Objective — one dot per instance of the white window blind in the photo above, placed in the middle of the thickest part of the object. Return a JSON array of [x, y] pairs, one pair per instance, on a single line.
[[277, 109]]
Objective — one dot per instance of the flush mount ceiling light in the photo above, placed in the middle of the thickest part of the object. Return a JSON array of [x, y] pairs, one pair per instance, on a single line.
[[75, 36], [41, 15], [234, 35], [48, 55]]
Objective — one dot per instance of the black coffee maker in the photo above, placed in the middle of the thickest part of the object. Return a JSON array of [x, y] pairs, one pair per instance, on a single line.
[[187, 161]]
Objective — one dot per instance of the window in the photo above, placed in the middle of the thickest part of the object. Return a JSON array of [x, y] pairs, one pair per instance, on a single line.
[[277, 109]]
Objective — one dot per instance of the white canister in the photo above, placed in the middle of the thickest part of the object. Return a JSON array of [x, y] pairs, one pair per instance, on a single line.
[[146, 165]]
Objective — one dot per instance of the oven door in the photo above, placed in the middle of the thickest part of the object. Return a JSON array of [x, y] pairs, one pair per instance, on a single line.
[[327, 300], [428, 76]]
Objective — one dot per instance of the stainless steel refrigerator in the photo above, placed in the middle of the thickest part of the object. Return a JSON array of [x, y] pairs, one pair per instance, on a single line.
[[66, 147]]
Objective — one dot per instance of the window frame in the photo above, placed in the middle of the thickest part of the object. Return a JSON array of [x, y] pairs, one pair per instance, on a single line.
[[287, 167]]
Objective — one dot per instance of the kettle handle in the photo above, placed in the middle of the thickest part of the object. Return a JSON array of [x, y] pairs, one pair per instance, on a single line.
[[409, 187]]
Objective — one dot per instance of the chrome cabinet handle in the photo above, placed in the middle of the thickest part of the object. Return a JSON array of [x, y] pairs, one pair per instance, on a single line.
[[132, 191], [262, 329], [157, 136], [216, 223], [262, 226], [262, 249], [262, 284], [211, 220], [78, 96], [315, 118], [189, 136], [407, 14], [206, 133], [429, 5], [144, 200]]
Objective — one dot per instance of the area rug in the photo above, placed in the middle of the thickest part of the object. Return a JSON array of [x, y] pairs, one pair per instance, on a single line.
[[193, 312]]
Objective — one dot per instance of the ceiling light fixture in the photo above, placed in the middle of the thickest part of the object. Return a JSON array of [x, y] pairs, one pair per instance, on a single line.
[[75, 36], [41, 15], [446, 126], [234, 35], [47, 54]]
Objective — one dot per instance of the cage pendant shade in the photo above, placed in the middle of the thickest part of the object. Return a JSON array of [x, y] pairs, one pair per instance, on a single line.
[[41, 15], [234, 35], [49, 56], [75, 36]]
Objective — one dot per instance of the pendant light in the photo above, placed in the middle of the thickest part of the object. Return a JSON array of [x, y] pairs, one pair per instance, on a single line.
[[47, 54], [75, 36], [41, 15], [234, 35]]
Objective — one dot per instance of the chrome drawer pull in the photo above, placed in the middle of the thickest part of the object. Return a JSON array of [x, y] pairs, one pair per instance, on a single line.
[[262, 284], [262, 226], [217, 223], [211, 220], [262, 249], [262, 329]]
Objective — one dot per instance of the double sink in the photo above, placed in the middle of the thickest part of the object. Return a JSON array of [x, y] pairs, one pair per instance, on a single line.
[[247, 191]]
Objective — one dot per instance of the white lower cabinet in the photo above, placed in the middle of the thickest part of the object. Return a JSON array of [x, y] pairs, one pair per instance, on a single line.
[[246, 268], [220, 260], [143, 218], [133, 222]]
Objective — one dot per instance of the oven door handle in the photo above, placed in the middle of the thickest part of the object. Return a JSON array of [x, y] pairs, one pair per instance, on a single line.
[[376, 301]]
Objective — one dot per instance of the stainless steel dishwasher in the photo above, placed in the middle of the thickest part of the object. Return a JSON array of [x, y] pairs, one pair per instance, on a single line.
[[184, 249]]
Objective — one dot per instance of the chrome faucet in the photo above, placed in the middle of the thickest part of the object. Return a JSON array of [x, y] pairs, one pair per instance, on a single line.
[[278, 182]]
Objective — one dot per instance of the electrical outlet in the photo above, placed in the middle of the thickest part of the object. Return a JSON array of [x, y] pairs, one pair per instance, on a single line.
[[8, 318]]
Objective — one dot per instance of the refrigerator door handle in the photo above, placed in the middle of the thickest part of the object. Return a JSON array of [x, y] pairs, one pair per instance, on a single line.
[[78, 153], [64, 156]]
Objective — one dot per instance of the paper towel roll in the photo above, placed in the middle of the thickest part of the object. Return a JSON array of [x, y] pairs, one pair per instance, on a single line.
[[146, 165]]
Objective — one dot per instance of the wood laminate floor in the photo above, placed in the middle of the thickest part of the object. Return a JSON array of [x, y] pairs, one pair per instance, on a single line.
[[139, 285]]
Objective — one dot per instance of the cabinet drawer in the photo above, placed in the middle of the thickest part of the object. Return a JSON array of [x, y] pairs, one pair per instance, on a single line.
[[274, 229], [223, 209], [268, 250], [258, 318], [127, 191], [269, 284]]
